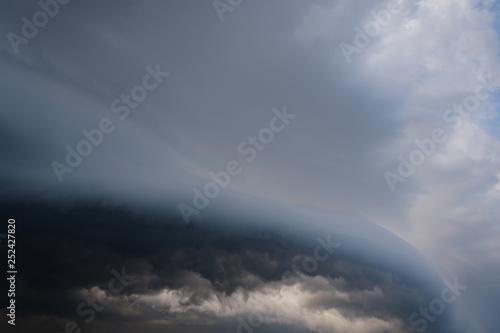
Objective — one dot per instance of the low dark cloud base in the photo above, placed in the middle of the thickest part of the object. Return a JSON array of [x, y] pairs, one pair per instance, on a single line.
[[64, 249]]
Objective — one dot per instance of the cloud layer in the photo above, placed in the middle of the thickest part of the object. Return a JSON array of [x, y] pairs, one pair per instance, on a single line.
[[354, 120]]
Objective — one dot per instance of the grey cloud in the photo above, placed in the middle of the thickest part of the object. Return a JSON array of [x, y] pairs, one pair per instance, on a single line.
[[353, 120]]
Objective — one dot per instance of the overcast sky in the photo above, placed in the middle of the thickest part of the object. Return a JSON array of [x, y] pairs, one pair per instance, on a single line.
[[349, 103]]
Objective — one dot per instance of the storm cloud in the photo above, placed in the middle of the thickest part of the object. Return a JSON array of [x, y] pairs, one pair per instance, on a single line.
[[365, 101]]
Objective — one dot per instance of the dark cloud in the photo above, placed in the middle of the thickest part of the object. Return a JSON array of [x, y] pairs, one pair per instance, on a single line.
[[352, 122], [72, 248]]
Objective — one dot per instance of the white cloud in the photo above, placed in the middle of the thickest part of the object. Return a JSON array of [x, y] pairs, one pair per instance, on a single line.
[[293, 304]]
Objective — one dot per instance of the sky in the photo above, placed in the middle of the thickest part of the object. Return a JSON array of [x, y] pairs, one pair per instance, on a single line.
[[204, 146]]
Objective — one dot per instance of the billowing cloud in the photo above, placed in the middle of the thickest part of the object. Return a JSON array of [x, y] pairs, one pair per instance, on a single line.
[[210, 276], [368, 86]]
